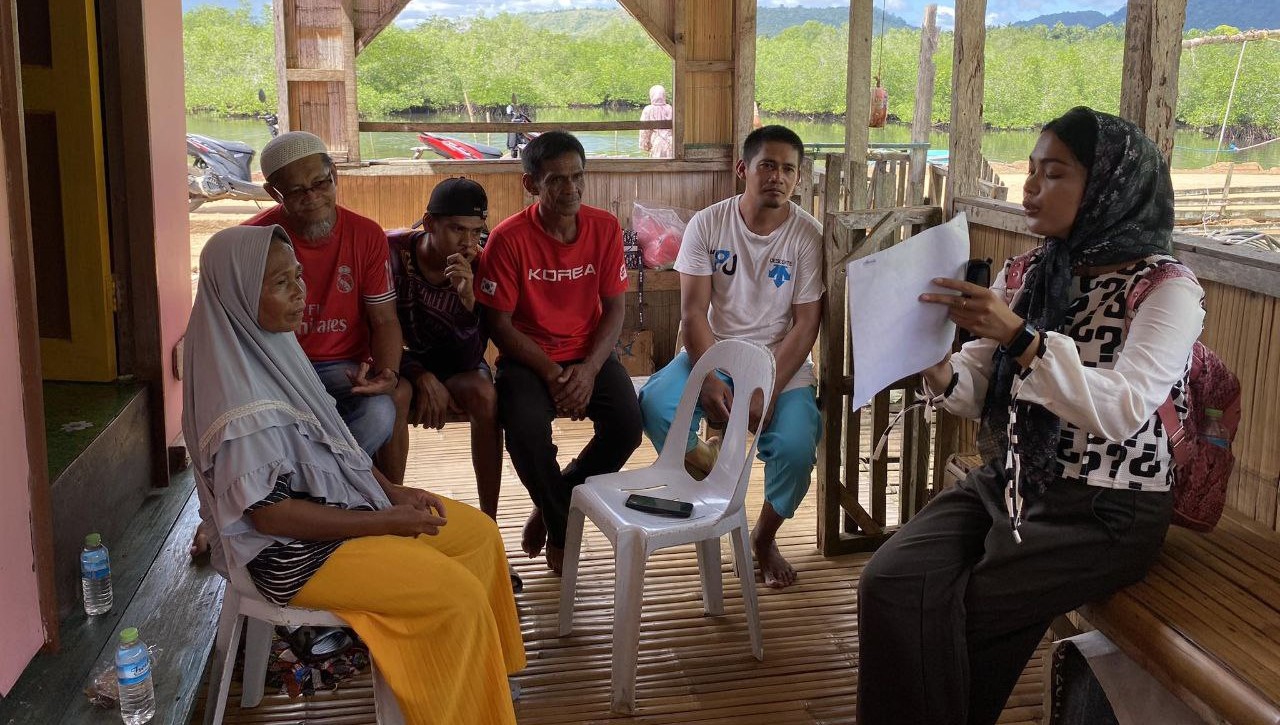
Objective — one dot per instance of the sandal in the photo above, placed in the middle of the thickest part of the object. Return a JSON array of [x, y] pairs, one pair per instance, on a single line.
[[311, 644], [517, 584]]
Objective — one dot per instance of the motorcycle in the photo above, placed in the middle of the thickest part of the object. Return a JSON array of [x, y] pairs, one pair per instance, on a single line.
[[456, 149], [517, 141], [219, 169]]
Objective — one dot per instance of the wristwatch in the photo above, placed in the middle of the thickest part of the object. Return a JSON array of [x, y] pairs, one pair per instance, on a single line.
[[1021, 342]]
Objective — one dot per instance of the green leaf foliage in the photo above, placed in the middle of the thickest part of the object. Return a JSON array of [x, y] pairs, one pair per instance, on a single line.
[[603, 57]]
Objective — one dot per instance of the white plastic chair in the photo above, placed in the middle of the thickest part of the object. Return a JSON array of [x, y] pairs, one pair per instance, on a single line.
[[717, 510], [243, 609]]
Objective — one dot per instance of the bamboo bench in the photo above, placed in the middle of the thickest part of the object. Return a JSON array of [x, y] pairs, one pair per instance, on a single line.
[[1205, 621]]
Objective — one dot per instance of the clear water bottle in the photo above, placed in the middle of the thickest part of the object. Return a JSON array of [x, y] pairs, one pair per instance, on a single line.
[[1214, 432], [95, 575], [133, 674]]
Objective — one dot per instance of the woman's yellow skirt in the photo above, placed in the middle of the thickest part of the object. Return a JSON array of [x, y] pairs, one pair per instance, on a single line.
[[437, 613]]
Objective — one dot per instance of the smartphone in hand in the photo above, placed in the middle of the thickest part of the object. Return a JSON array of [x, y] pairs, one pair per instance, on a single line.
[[976, 271], [660, 506]]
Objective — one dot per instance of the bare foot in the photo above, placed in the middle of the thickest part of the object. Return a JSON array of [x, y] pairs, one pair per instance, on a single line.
[[199, 543], [555, 558], [534, 535], [699, 461], [774, 569]]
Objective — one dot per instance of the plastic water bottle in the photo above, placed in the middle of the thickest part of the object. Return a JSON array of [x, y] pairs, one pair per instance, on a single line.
[[95, 575], [1214, 432], [133, 674]]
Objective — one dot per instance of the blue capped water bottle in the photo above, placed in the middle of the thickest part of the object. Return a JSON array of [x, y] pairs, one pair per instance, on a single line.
[[133, 674], [95, 575]]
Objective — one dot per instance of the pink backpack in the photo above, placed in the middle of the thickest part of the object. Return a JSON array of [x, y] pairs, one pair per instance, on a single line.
[[1201, 469]]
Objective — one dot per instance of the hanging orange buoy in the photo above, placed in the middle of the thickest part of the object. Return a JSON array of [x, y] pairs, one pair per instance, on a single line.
[[879, 106]]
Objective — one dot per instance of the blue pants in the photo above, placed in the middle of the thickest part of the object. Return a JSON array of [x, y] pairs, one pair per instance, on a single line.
[[788, 446], [369, 417]]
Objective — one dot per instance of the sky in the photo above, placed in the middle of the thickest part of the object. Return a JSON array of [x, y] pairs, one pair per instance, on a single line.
[[999, 12]]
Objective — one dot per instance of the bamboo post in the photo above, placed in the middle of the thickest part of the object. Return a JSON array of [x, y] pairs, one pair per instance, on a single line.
[[922, 118], [968, 69], [744, 72], [858, 101]]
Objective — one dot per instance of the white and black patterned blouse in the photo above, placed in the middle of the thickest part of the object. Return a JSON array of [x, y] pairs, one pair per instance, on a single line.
[[1103, 382]]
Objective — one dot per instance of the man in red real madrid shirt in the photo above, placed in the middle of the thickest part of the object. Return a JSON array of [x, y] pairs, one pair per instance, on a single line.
[[350, 330], [552, 280]]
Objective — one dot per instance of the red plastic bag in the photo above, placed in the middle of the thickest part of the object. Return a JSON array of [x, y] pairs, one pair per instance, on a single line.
[[660, 228]]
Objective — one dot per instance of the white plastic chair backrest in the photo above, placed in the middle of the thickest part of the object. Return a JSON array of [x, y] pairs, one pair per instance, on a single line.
[[751, 368], [237, 577]]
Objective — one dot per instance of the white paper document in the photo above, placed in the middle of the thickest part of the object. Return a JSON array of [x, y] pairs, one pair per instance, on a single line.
[[894, 333]]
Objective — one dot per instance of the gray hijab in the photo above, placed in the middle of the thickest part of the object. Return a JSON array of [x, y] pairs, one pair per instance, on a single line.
[[240, 380]]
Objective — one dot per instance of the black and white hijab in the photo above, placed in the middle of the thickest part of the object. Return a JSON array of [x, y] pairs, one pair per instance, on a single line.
[[1126, 214]]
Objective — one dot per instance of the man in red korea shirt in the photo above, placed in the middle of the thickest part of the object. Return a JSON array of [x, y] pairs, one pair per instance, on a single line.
[[350, 330], [552, 280]]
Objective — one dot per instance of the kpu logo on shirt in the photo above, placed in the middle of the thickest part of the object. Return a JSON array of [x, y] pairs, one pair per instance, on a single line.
[[724, 261], [488, 286], [561, 275], [780, 272], [622, 272], [346, 282]]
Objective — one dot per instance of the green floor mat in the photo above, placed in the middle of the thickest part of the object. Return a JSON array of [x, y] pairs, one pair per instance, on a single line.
[[76, 413]]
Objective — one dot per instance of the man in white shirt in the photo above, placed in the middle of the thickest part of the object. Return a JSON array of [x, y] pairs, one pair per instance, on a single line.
[[751, 269]]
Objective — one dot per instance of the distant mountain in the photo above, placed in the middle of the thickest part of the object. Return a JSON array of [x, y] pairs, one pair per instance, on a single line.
[[1087, 18], [771, 21], [1201, 15]]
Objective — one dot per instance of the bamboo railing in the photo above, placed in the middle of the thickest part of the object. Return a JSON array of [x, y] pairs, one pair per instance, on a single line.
[[1242, 299]]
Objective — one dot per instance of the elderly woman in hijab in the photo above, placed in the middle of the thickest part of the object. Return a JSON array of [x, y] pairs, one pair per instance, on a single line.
[[296, 503], [658, 141], [1073, 501]]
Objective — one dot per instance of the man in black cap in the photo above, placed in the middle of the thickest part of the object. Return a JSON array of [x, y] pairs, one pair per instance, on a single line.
[[443, 369]]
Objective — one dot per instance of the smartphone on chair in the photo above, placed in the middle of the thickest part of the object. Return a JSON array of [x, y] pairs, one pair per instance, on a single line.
[[660, 506]]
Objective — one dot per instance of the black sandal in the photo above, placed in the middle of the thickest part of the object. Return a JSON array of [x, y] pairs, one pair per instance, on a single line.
[[517, 584]]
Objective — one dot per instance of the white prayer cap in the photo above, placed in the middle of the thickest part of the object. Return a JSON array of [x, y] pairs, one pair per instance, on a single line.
[[288, 148]]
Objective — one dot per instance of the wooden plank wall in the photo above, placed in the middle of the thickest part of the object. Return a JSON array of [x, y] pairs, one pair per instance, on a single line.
[[705, 75], [1242, 325], [395, 196], [315, 63]]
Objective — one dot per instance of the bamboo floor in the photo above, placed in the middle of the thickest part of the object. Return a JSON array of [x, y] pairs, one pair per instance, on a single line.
[[693, 668]]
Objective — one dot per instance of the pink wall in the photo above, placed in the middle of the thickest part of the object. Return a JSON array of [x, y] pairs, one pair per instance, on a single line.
[[21, 632], [162, 29]]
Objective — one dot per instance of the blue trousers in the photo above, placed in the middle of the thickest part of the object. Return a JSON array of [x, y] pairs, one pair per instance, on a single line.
[[788, 446], [369, 417]]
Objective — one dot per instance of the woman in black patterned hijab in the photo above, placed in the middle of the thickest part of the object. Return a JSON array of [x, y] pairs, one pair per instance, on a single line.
[[1073, 500]]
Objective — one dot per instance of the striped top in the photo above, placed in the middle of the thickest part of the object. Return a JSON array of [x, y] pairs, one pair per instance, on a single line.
[[282, 569]]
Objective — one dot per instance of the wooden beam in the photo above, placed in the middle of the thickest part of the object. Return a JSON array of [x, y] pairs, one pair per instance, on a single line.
[[323, 75], [922, 116], [927, 71], [13, 137], [366, 34], [744, 72], [282, 69], [351, 115], [858, 100], [681, 76], [507, 126], [651, 26], [709, 66], [1149, 81], [967, 78]]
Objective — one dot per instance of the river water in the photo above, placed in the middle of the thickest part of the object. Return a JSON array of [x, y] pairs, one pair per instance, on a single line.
[[1192, 149]]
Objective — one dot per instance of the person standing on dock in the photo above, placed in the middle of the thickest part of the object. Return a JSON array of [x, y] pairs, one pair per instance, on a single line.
[[659, 142]]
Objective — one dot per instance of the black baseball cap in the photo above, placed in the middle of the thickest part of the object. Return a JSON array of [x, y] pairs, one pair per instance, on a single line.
[[458, 197]]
